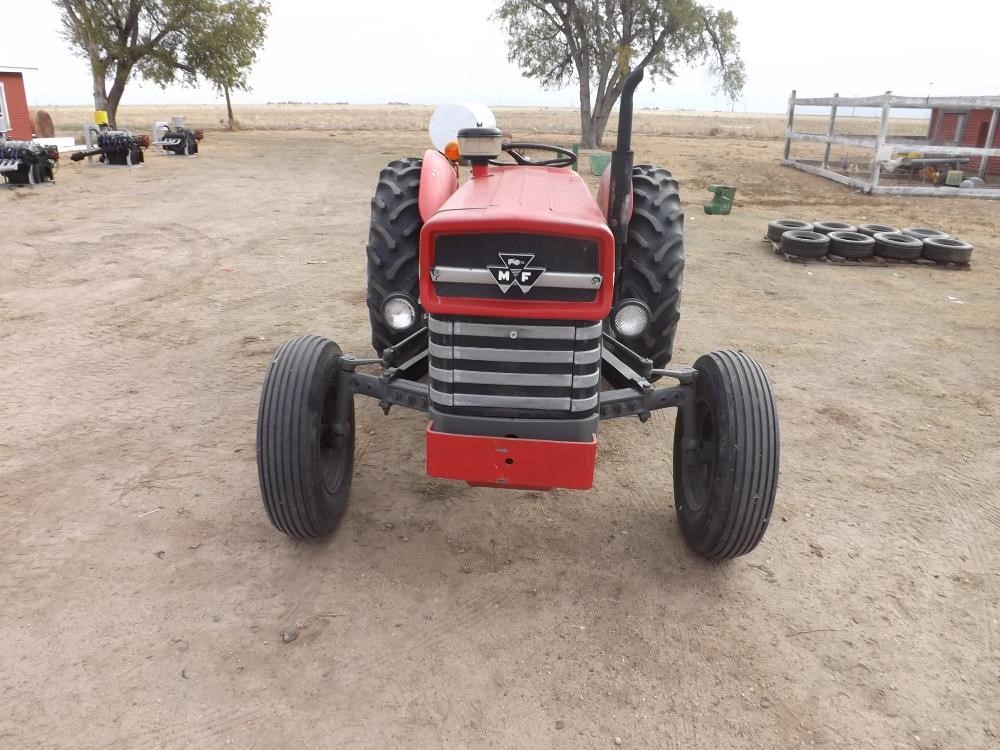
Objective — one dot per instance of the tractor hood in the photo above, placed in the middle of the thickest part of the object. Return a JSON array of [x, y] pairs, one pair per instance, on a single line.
[[544, 221], [540, 196]]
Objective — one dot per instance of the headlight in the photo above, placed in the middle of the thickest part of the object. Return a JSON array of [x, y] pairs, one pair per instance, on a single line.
[[631, 318], [399, 312]]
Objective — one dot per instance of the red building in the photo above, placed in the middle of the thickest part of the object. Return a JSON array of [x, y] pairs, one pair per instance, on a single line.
[[14, 103], [968, 128]]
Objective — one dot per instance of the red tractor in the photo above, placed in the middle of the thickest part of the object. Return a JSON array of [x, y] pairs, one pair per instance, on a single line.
[[517, 295]]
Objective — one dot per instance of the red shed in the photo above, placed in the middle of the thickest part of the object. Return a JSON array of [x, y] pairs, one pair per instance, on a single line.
[[969, 128], [14, 103]]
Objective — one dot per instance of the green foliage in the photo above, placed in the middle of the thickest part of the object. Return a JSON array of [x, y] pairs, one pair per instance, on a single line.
[[598, 42], [165, 41]]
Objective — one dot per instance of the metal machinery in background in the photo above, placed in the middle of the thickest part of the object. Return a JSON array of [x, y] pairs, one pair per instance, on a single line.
[[175, 138], [27, 162], [116, 148]]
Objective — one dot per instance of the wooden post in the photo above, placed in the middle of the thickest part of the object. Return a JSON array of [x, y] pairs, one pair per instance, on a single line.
[[791, 120], [990, 135], [829, 133], [880, 141]]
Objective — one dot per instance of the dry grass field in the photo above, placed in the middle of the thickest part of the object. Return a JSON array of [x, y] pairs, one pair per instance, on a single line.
[[145, 593], [522, 120]]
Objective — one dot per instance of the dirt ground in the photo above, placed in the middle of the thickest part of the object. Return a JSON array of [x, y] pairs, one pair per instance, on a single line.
[[144, 592]]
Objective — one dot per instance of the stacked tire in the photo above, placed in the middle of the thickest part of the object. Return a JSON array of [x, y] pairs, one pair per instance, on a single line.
[[839, 239], [776, 228], [825, 227], [800, 243], [897, 246], [947, 250], [872, 229], [851, 245]]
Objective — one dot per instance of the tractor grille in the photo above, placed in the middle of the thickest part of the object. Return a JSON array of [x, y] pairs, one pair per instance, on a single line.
[[566, 269], [507, 368]]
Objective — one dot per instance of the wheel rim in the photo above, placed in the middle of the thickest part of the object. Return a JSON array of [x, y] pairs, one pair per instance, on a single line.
[[331, 445], [700, 462]]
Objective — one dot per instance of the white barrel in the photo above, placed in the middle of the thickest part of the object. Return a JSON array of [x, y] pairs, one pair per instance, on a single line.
[[448, 119]]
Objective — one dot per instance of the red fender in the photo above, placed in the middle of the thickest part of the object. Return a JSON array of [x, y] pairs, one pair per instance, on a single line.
[[604, 196], [437, 183]]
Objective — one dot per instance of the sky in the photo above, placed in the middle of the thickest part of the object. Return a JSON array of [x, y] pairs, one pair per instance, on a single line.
[[438, 51]]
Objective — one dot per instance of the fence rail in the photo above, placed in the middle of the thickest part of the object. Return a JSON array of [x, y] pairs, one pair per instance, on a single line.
[[883, 148]]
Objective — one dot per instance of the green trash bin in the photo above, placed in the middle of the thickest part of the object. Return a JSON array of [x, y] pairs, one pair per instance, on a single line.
[[722, 200]]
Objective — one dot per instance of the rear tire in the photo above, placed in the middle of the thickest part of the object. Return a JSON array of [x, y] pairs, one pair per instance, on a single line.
[[653, 265], [394, 251], [724, 489], [303, 468]]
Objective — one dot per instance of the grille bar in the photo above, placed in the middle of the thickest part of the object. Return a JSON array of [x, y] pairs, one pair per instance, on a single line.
[[515, 355], [549, 279], [505, 378], [500, 330], [515, 402]]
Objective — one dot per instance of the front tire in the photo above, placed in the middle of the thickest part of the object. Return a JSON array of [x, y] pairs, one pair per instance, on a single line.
[[724, 488], [304, 469]]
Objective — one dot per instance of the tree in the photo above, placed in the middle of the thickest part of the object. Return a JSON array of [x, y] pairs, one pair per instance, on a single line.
[[164, 41], [227, 49], [598, 42]]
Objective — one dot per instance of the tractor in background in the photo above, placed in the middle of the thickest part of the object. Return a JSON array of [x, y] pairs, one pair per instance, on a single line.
[[517, 312]]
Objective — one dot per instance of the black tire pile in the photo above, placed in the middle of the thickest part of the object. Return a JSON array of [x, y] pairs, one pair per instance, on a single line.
[[840, 240]]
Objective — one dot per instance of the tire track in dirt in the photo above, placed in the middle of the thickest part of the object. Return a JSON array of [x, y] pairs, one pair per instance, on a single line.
[[976, 503], [433, 635], [188, 734]]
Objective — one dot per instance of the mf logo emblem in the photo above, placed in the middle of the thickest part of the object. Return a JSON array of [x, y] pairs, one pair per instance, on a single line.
[[516, 271]]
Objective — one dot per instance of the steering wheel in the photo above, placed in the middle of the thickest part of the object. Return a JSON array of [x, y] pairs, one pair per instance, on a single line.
[[565, 158]]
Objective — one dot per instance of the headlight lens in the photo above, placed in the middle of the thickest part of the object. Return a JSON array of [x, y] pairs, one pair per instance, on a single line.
[[631, 318], [399, 313]]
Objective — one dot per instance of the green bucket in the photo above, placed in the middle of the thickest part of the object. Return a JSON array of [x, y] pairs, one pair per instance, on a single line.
[[722, 200], [599, 162]]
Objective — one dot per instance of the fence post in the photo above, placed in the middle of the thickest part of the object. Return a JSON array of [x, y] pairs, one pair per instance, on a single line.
[[882, 131], [990, 135], [829, 132], [788, 128]]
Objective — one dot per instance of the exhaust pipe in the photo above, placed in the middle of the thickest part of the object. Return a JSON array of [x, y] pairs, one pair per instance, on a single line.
[[620, 192]]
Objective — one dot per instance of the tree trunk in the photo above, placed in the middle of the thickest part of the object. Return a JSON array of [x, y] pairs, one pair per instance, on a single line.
[[590, 136], [586, 121], [600, 125], [229, 107], [100, 87], [595, 124], [115, 95]]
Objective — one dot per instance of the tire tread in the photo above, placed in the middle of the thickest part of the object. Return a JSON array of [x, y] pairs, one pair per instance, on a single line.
[[286, 462], [393, 248], [744, 497]]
